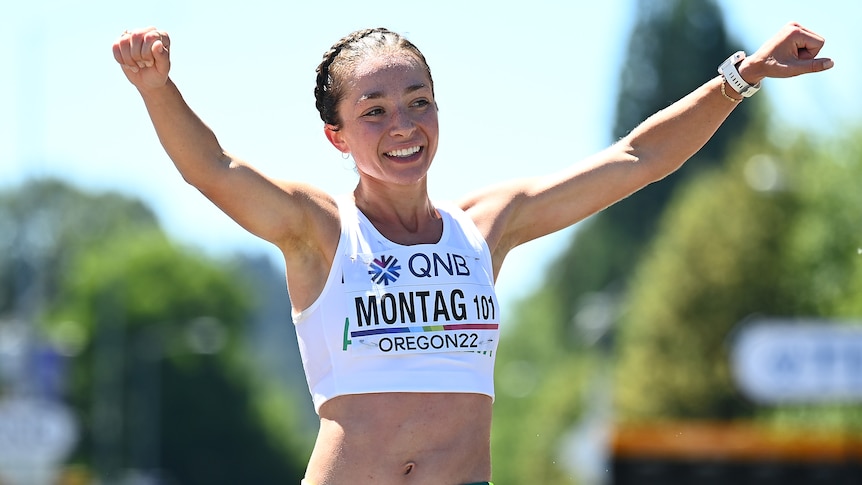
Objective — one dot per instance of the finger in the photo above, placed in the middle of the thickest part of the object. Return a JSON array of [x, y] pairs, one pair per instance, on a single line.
[[808, 50], [154, 50], [806, 30], [165, 39], [808, 43], [149, 46], [118, 48], [817, 39], [118, 56], [136, 48], [123, 52]]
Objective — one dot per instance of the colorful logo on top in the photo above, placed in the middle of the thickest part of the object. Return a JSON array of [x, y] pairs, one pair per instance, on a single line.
[[384, 270]]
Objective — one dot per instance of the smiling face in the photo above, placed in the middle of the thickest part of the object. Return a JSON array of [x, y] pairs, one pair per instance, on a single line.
[[388, 119]]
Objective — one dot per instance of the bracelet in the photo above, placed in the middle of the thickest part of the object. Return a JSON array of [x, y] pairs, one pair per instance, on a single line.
[[724, 93]]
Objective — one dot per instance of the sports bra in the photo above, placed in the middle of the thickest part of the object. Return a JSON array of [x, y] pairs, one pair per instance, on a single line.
[[396, 318]]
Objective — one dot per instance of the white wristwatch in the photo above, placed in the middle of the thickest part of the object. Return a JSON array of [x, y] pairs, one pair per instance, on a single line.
[[731, 75]]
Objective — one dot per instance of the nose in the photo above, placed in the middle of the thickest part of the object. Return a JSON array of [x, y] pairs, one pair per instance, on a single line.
[[402, 123]]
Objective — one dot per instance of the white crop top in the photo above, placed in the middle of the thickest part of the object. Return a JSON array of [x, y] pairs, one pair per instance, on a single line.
[[394, 318]]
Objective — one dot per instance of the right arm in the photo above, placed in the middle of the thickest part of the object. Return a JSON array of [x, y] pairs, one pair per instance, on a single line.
[[301, 220]]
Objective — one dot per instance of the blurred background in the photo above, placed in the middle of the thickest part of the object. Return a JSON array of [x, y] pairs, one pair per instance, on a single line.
[[706, 330]]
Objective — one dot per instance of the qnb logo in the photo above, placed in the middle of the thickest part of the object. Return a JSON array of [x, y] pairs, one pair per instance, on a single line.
[[384, 270]]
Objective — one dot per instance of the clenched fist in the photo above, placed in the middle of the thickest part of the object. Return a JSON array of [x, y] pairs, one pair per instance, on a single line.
[[145, 57]]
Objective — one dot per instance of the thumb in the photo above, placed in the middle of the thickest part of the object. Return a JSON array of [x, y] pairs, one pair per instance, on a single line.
[[823, 64], [161, 52]]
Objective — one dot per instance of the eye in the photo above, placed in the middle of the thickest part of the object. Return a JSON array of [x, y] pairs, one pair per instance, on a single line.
[[421, 103], [374, 112]]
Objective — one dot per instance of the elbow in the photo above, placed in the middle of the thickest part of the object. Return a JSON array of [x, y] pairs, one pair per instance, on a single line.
[[207, 174], [650, 165], [195, 179], [189, 178]]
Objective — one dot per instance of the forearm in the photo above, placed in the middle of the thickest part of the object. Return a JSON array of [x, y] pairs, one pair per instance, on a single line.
[[663, 142], [188, 141]]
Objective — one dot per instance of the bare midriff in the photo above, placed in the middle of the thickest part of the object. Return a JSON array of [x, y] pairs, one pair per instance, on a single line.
[[403, 438]]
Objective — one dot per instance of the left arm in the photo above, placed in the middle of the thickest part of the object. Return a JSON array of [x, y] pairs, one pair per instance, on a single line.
[[523, 210]]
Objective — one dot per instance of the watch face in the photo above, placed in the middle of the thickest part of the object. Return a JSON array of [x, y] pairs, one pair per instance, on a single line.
[[733, 60]]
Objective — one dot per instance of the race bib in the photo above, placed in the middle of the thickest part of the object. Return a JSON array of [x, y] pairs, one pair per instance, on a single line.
[[419, 299]]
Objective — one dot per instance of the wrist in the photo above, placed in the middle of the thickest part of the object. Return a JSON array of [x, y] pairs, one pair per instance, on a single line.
[[750, 71], [155, 90], [729, 70], [728, 92]]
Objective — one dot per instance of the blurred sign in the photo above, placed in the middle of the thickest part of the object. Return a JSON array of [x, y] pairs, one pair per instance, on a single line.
[[35, 436], [777, 361]]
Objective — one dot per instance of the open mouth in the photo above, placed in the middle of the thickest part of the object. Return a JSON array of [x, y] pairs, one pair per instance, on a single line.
[[404, 152]]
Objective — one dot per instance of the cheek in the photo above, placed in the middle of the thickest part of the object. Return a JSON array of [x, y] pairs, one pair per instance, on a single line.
[[363, 138], [430, 118]]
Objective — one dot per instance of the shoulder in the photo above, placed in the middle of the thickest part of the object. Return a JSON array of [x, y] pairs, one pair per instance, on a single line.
[[309, 249], [455, 213], [492, 212], [491, 209]]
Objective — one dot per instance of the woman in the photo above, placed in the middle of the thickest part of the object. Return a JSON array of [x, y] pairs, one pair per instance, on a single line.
[[393, 294]]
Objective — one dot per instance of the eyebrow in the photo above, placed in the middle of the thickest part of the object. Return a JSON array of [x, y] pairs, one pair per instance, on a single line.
[[379, 94]]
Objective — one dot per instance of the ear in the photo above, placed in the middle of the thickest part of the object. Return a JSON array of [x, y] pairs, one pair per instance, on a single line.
[[333, 134]]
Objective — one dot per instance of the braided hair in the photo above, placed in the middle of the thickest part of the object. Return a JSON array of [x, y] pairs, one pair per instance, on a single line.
[[344, 55]]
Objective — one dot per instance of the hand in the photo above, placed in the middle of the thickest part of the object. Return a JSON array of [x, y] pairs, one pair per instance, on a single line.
[[145, 57], [790, 52]]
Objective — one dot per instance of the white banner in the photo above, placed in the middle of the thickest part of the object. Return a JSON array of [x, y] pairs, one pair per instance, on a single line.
[[776, 361]]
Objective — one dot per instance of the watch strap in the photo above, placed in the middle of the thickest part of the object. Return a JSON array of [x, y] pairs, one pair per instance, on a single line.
[[731, 75]]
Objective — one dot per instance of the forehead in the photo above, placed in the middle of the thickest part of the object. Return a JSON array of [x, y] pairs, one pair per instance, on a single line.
[[387, 74]]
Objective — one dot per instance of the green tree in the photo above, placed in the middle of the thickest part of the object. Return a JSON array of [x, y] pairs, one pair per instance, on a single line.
[[159, 373], [776, 233], [675, 46], [552, 361], [164, 371], [43, 224]]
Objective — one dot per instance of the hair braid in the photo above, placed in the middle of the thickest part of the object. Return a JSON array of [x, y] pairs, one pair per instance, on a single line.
[[329, 88]]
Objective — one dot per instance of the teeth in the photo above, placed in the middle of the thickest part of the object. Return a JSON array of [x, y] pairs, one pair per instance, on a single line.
[[405, 152]]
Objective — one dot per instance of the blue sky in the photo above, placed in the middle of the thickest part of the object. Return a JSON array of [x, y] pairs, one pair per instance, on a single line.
[[524, 88]]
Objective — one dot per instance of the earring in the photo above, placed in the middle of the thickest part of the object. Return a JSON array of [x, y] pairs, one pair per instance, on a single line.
[[345, 155]]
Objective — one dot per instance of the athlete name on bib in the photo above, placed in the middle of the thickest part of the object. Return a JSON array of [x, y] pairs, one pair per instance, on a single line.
[[409, 300]]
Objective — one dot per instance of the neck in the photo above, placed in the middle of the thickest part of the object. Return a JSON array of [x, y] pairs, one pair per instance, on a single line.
[[403, 214]]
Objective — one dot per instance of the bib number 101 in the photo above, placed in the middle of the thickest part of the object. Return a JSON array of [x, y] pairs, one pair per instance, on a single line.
[[485, 308]]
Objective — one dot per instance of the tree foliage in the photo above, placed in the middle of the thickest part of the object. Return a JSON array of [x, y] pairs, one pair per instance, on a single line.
[[776, 233], [168, 384], [675, 47], [159, 373], [559, 338], [43, 224]]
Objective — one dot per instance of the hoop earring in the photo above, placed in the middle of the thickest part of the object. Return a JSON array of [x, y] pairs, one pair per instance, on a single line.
[[345, 155]]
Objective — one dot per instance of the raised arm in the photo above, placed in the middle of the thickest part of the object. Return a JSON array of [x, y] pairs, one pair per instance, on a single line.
[[522, 210], [301, 220], [275, 211]]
